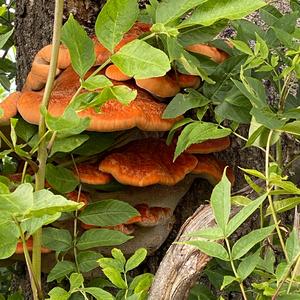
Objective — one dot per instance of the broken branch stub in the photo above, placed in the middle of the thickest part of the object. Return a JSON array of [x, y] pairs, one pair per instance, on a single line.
[[182, 264]]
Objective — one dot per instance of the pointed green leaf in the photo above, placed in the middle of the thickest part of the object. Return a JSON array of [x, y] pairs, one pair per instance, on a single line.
[[247, 266], [244, 214], [245, 243], [100, 238], [210, 248], [60, 270], [213, 11], [99, 293], [136, 259], [57, 239], [220, 202], [81, 47], [170, 10], [87, 260], [140, 60], [115, 277], [107, 213], [115, 19]]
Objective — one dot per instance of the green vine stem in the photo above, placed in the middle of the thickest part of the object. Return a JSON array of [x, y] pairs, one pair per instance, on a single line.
[[35, 287], [273, 212], [42, 150], [234, 269]]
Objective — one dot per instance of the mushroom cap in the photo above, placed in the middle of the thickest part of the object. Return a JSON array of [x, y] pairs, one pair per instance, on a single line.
[[188, 81], [146, 162], [151, 216], [114, 73], [213, 53], [90, 174], [74, 197], [211, 169], [124, 228], [209, 146], [164, 86], [143, 112], [9, 107]]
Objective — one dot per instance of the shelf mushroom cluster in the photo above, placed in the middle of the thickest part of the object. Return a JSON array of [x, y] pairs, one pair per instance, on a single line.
[[140, 163]]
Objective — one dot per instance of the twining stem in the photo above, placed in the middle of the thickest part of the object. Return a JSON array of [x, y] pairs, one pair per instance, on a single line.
[[42, 149], [273, 211], [35, 287], [234, 269]]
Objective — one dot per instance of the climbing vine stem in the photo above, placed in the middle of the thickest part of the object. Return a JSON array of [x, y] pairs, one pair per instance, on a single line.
[[42, 149]]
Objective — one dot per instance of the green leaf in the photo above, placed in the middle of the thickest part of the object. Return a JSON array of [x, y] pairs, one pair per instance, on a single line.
[[247, 266], [254, 172], [57, 239], [240, 200], [198, 132], [76, 281], [140, 60], [107, 262], [5, 37], [245, 243], [24, 130], [210, 248], [292, 128], [115, 277], [67, 124], [97, 143], [286, 185], [46, 203], [58, 293], [170, 10], [221, 75], [242, 46], [141, 282], [96, 82], [244, 214], [177, 125], [227, 281], [61, 179], [98, 293], [198, 34], [123, 94], [136, 259], [181, 103], [81, 47], [201, 291], [9, 235], [107, 213], [100, 238], [293, 245], [60, 270], [214, 233], [286, 204], [118, 255], [266, 117], [18, 202], [68, 144], [87, 260], [31, 225], [220, 202], [115, 19], [212, 11]]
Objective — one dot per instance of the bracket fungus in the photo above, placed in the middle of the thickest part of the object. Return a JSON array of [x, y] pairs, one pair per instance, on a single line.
[[209, 146], [211, 169], [8, 107], [155, 183], [146, 162]]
